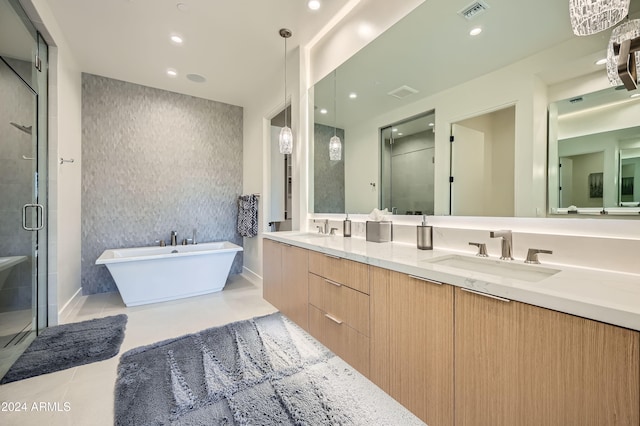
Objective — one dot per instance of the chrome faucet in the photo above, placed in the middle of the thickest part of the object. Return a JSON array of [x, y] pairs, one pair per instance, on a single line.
[[507, 243], [482, 249], [324, 228], [174, 238], [532, 255]]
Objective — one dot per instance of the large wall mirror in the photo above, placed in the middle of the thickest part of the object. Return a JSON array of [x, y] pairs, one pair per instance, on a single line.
[[428, 61], [594, 153]]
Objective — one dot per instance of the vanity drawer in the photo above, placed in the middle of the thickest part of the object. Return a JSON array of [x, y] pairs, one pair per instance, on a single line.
[[341, 339], [340, 301], [343, 271]]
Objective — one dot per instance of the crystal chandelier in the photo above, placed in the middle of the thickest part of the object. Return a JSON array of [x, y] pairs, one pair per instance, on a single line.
[[335, 146], [286, 137], [623, 54], [592, 16]]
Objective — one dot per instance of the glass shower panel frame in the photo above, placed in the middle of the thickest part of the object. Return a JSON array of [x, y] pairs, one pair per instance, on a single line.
[[42, 187], [24, 183]]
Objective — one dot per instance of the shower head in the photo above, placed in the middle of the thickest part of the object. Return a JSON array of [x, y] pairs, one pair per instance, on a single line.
[[22, 128]]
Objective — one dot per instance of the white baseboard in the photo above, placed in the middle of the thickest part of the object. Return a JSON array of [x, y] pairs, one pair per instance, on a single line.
[[251, 276], [71, 303]]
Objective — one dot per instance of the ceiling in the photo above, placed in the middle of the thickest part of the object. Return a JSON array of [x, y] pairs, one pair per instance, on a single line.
[[431, 50], [234, 44]]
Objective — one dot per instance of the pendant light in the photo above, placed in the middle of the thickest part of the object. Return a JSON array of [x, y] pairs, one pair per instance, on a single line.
[[335, 146], [592, 16], [286, 137]]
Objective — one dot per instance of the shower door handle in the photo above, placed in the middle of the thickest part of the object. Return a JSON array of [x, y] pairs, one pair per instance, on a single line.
[[40, 217]]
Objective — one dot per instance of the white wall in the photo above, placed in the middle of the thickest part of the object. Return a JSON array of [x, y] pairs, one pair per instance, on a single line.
[[257, 154], [64, 180]]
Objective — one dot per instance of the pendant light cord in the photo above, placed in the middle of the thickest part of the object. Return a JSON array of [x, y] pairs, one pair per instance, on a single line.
[[285, 82], [335, 109]]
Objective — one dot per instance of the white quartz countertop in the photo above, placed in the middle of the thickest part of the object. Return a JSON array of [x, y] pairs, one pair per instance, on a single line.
[[600, 295]]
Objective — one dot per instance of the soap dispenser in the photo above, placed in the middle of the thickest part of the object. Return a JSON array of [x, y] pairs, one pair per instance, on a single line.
[[425, 235], [346, 227]]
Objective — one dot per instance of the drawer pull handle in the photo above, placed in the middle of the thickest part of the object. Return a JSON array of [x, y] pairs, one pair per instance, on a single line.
[[332, 283], [425, 280], [332, 257], [337, 321], [490, 296]]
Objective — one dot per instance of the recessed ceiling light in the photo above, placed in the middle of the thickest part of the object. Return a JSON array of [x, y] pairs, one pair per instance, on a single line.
[[431, 124], [182, 7], [400, 134], [323, 111], [394, 130], [475, 31], [314, 4], [176, 39], [601, 61], [171, 72], [353, 95], [635, 95]]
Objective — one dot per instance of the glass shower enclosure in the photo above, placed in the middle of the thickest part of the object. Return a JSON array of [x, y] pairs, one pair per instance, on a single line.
[[23, 183]]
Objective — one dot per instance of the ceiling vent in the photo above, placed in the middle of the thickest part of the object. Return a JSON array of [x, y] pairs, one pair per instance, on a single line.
[[576, 100], [402, 92], [473, 10]]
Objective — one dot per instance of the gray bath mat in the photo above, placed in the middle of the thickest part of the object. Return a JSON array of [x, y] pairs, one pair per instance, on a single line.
[[261, 371], [69, 345]]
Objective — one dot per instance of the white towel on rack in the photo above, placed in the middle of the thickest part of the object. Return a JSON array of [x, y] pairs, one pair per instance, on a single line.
[[248, 215]]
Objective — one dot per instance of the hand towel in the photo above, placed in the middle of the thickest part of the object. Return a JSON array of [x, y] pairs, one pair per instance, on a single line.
[[248, 215]]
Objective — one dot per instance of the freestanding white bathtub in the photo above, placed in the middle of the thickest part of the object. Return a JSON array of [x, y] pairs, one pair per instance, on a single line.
[[156, 274]]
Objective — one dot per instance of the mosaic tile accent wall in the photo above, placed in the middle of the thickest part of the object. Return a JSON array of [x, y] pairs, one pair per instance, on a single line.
[[155, 161], [328, 176]]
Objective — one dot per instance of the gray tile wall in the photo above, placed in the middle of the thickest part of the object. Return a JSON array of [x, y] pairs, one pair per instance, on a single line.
[[154, 161], [328, 176]]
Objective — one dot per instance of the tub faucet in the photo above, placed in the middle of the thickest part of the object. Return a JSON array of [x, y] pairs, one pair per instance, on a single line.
[[174, 238], [507, 243]]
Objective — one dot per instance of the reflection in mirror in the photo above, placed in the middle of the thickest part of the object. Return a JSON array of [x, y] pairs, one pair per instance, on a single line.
[[328, 182], [482, 165], [409, 70], [630, 177], [407, 166], [328, 171], [594, 141]]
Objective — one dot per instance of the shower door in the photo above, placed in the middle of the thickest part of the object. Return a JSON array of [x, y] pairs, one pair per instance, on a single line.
[[21, 215], [23, 183]]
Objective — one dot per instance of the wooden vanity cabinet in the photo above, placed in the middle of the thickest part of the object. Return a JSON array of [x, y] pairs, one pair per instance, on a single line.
[[518, 364], [272, 272], [285, 281], [440, 350], [412, 343], [339, 307]]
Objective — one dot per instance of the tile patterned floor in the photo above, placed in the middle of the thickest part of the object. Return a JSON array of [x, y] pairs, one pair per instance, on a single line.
[[84, 395]]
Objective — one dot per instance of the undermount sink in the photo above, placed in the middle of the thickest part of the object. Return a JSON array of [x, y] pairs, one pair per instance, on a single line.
[[309, 235], [506, 269]]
